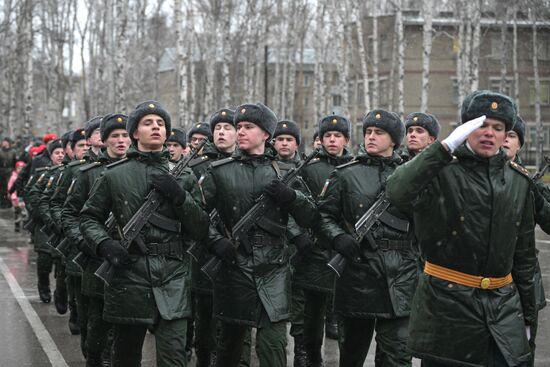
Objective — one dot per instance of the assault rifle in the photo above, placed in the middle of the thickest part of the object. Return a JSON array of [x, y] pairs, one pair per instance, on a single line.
[[131, 231], [540, 173], [81, 259], [254, 214], [362, 227]]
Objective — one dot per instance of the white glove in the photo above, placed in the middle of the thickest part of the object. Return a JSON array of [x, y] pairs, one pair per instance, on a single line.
[[461, 133], [528, 332]]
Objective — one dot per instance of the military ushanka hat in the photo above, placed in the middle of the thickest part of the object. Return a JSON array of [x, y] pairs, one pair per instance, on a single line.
[[491, 104], [425, 120], [315, 135], [259, 114], [66, 138], [287, 127], [387, 121], [224, 115], [334, 123], [202, 128], [76, 136], [144, 109], [91, 125], [519, 128], [53, 145], [177, 136], [112, 122]]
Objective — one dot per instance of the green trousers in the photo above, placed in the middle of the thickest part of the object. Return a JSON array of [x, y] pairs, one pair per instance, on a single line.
[[270, 344], [78, 305], [98, 329], [315, 308], [355, 336], [297, 315], [170, 337]]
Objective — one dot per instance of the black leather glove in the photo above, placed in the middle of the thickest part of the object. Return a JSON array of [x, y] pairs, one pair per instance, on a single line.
[[539, 199], [224, 249], [113, 252], [167, 185], [346, 245], [303, 243], [280, 192], [85, 249]]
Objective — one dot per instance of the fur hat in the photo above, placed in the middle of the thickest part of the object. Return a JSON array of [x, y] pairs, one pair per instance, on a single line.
[[178, 136], [491, 104], [91, 125], [519, 128], [112, 122], [53, 145], [259, 114], [387, 121], [334, 123], [202, 128], [425, 120], [77, 135], [144, 109], [287, 127], [66, 138], [223, 115]]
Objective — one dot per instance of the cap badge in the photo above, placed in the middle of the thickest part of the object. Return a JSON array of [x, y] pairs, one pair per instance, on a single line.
[[285, 126], [334, 121], [172, 133], [224, 113], [151, 105], [243, 110], [494, 106], [198, 125], [119, 119], [415, 118], [82, 132], [378, 116]]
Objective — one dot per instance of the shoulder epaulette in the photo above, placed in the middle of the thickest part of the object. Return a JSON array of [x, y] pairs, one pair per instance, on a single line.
[[314, 160], [350, 163], [55, 168], [42, 169], [221, 162], [111, 165], [519, 168], [196, 161], [76, 163], [89, 166]]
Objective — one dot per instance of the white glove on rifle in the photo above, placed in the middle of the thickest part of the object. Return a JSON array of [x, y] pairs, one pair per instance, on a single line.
[[461, 133]]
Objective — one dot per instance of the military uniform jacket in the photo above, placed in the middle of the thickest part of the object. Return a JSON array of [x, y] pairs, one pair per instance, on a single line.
[[312, 272], [151, 284], [258, 285], [473, 215], [382, 283]]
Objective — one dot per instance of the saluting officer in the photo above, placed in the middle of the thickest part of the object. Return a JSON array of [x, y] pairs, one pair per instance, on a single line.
[[151, 287], [375, 290], [473, 215], [253, 286]]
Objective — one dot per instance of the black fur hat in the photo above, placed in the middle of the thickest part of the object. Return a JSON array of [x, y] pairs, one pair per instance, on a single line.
[[387, 121], [334, 123], [425, 120], [258, 114], [76, 136], [491, 104], [53, 145], [178, 136], [287, 127], [519, 128], [202, 128], [224, 115], [144, 109], [112, 122], [91, 125]]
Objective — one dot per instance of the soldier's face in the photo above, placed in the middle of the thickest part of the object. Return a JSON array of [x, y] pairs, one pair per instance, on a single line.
[[286, 146], [225, 137], [150, 133], [196, 139], [175, 150], [334, 142], [80, 148], [57, 156], [418, 138], [511, 144], [250, 136], [487, 140], [95, 139], [117, 143], [5, 144], [378, 142], [317, 142], [69, 150]]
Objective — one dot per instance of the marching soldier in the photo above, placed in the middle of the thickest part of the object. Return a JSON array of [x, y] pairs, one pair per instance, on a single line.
[[312, 275], [151, 285], [176, 144], [93, 137], [116, 141], [44, 262], [252, 288], [475, 301], [286, 140], [422, 130], [199, 132], [375, 290]]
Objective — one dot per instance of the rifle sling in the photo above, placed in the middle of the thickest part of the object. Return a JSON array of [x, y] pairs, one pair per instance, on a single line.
[[165, 223]]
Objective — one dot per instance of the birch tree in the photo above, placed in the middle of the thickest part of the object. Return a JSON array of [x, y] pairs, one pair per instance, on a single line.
[[427, 7], [362, 54], [375, 56], [120, 55], [181, 64], [536, 76]]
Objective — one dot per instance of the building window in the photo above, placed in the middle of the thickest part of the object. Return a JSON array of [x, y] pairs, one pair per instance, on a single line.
[[454, 90], [544, 92], [494, 85], [533, 141], [307, 80], [498, 49], [337, 100]]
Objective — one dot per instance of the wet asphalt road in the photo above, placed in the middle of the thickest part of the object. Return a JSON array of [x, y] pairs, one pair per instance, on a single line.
[[33, 334]]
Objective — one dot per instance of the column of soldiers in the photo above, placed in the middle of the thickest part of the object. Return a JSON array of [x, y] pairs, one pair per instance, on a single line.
[[447, 271]]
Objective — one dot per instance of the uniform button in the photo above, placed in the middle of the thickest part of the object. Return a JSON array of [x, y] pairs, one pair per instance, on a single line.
[[462, 219], [125, 202], [122, 215], [234, 208], [517, 224], [450, 285], [360, 205], [453, 233]]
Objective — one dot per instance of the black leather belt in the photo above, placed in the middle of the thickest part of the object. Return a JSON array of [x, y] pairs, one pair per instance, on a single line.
[[393, 244], [174, 248]]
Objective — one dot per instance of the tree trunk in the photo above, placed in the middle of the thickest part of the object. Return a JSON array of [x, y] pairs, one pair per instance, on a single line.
[[476, 39], [28, 82], [427, 6], [536, 76], [120, 55], [375, 57], [362, 59], [504, 48], [400, 61], [515, 68]]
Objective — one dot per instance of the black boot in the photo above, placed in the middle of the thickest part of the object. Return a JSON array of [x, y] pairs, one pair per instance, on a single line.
[[300, 354], [314, 356], [73, 322], [94, 361], [60, 301], [331, 329], [203, 358], [44, 288]]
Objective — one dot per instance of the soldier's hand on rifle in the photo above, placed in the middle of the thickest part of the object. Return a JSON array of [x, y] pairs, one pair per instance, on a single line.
[[224, 249], [170, 188], [113, 252], [83, 246], [303, 243], [280, 192], [461, 133], [346, 245]]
